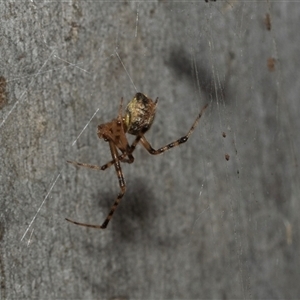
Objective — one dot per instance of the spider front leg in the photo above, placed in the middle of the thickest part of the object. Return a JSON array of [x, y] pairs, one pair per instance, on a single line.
[[122, 185], [121, 157], [79, 164], [182, 140]]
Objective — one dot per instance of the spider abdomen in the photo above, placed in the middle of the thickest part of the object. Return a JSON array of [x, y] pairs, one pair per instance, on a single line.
[[139, 115]]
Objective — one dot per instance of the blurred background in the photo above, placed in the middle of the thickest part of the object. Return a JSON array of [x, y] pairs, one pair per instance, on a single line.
[[217, 217]]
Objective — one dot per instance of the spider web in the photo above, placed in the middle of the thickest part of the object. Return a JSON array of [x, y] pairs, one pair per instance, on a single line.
[[213, 218]]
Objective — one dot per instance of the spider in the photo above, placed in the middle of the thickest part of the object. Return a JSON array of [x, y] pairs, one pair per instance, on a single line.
[[139, 116]]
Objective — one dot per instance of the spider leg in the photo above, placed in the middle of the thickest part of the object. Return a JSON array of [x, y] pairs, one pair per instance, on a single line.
[[104, 167], [182, 140], [122, 185], [121, 157], [79, 164]]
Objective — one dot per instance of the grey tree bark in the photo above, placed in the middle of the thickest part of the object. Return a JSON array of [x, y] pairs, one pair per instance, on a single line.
[[214, 218]]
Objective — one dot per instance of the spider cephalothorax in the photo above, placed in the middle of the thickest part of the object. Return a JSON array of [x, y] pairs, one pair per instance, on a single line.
[[138, 118]]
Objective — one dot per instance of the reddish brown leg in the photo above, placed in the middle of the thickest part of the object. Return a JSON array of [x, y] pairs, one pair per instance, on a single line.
[[123, 155], [107, 165], [182, 140], [122, 185]]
